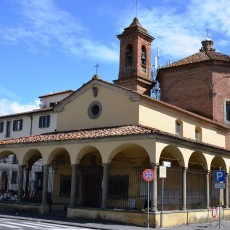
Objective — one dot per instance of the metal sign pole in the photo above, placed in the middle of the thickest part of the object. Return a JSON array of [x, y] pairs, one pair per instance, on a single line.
[[148, 205], [219, 204], [162, 201], [148, 175], [219, 207]]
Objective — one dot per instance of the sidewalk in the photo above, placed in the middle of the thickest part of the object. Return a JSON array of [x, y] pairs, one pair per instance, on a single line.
[[225, 225]]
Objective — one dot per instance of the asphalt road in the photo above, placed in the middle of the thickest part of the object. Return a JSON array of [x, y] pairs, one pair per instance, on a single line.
[[9, 224]]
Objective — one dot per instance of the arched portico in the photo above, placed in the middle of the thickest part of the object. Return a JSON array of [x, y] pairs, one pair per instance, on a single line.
[[8, 174], [197, 183], [217, 196], [126, 187], [32, 176], [89, 178], [57, 175]]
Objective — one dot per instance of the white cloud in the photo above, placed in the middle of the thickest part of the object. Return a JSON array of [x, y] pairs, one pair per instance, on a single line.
[[179, 29], [11, 107], [42, 23]]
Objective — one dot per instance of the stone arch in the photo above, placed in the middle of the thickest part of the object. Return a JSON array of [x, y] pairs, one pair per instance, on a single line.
[[31, 157], [59, 175], [198, 160], [32, 162], [57, 152], [90, 174], [173, 182], [196, 181], [87, 150], [218, 163], [173, 154], [216, 196], [8, 171], [130, 147], [126, 187]]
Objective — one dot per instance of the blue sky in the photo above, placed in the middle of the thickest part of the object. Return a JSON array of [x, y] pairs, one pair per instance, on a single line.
[[54, 45]]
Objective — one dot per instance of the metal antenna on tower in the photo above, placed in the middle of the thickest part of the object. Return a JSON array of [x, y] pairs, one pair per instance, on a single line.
[[207, 33], [156, 88], [136, 8]]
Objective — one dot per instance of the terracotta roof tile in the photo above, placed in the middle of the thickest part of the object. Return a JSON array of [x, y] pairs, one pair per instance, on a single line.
[[200, 57], [81, 134], [99, 133]]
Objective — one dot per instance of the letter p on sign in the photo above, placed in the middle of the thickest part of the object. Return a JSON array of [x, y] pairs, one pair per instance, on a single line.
[[219, 175]]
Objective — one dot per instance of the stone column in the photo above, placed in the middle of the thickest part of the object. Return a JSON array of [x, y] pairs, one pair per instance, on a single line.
[[45, 184], [207, 189], [20, 182], [73, 186], [27, 183], [226, 201], [184, 186], [154, 188], [104, 185]]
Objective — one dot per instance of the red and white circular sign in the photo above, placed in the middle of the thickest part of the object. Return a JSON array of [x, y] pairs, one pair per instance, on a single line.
[[148, 175], [214, 212]]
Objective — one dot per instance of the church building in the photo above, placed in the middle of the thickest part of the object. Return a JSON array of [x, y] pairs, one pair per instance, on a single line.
[[92, 145]]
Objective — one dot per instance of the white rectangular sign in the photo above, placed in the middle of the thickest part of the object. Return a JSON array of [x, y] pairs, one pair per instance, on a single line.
[[220, 185], [166, 164], [162, 171]]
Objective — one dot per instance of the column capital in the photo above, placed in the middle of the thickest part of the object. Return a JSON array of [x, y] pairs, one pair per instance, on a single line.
[[75, 166], [154, 165], [105, 165], [21, 166], [184, 169]]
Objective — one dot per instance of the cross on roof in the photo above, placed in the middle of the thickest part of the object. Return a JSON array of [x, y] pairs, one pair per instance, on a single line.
[[97, 66]]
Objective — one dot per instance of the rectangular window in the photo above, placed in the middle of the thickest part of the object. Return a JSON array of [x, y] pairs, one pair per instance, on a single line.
[[8, 124], [65, 186], [228, 110], [197, 135], [1, 126], [17, 125], [178, 128], [44, 121], [118, 187]]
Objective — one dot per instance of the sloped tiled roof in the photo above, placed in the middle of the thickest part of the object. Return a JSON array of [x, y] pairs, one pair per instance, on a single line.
[[81, 134], [201, 57], [98, 133], [57, 93]]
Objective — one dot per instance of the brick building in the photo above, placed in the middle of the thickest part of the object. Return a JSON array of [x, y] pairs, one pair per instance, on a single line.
[[199, 83]]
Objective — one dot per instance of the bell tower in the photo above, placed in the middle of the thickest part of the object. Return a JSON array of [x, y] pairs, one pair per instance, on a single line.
[[135, 59]]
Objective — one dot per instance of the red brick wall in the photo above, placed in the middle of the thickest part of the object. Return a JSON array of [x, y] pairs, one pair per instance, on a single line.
[[188, 88], [228, 141]]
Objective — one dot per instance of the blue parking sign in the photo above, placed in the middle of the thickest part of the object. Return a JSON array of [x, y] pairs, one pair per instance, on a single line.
[[219, 176]]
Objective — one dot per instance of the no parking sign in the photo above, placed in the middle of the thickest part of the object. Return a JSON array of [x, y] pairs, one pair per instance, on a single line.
[[148, 175]]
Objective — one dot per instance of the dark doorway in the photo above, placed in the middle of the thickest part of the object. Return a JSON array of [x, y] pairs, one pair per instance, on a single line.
[[91, 186]]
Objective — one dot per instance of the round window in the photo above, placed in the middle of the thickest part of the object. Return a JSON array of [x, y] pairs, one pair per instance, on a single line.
[[94, 110]]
